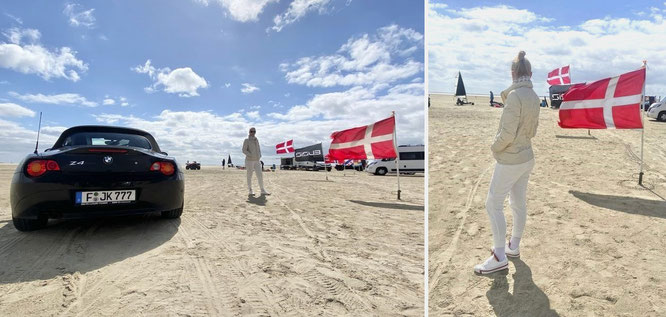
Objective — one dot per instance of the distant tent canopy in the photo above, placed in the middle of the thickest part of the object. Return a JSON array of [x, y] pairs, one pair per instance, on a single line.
[[229, 160]]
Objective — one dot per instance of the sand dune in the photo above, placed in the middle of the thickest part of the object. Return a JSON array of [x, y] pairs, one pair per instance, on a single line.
[[594, 242], [314, 247]]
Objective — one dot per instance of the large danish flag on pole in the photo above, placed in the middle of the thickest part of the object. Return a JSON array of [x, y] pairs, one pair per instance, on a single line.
[[610, 103], [559, 76], [285, 147], [374, 141]]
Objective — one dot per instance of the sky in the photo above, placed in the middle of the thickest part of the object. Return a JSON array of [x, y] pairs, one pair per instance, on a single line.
[[599, 39], [198, 74]]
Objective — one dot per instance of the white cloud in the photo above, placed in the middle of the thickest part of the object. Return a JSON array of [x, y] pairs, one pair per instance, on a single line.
[[14, 110], [32, 58], [58, 99], [486, 39], [298, 9], [363, 60], [253, 115], [18, 141], [108, 101], [79, 17], [248, 88], [16, 19], [241, 10], [182, 81], [227, 85], [15, 35], [123, 102]]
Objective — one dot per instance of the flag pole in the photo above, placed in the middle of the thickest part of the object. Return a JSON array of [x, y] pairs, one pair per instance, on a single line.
[[397, 154], [640, 174]]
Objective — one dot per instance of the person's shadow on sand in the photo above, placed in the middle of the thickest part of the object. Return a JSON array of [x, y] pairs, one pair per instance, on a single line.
[[527, 298], [260, 200]]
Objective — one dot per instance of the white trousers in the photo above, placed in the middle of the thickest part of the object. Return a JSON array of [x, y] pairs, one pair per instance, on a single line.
[[508, 180], [254, 166]]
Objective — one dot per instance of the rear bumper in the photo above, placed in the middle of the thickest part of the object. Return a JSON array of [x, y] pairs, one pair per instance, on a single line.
[[56, 199]]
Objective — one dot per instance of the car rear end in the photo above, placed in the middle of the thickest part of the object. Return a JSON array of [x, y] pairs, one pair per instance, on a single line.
[[81, 181]]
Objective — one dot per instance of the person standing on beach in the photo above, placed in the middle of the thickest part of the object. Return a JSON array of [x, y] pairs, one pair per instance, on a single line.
[[512, 150], [252, 164], [223, 161]]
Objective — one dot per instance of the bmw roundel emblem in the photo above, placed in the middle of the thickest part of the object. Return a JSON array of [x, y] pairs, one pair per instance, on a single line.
[[108, 160]]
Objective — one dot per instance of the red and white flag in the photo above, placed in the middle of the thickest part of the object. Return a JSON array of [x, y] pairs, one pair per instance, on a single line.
[[285, 147], [559, 76], [374, 141], [610, 103]]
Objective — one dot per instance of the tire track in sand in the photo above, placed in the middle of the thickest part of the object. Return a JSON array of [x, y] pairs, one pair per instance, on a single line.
[[336, 287], [205, 275], [442, 259]]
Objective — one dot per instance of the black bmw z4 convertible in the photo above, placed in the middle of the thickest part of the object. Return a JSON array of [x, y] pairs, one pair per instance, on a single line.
[[96, 171]]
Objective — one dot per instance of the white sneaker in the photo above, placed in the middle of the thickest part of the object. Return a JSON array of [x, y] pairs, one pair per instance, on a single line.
[[491, 265], [511, 252]]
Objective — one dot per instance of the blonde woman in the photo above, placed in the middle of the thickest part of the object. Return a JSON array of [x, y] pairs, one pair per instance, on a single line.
[[512, 150]]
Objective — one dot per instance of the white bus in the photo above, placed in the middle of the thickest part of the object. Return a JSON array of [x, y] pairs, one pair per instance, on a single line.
[[412, 160]]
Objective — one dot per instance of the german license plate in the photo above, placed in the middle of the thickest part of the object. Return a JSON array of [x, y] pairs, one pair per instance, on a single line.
[[105, 197]]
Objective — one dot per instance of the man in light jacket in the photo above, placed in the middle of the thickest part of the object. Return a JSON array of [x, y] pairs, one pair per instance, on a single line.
[[252, 155]]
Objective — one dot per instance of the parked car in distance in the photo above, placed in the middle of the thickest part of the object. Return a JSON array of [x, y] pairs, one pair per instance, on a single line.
[[193, 166], [658, 110], [412, 160]]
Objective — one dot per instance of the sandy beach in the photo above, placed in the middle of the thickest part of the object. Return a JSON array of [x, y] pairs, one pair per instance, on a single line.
[[314, 247], [594, 241]]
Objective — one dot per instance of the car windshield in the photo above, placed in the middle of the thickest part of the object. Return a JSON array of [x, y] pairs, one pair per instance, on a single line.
[[106, 139]]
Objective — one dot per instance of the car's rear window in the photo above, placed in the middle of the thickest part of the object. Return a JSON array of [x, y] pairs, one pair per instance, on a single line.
[[106, 139]]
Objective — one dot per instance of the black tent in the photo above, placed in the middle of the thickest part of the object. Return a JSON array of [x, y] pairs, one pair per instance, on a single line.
[[229, 161], [460, 91]]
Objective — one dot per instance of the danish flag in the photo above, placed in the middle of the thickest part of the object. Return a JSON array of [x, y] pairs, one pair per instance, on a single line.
[[610, 103], [374, 141], [285, 147], [559, 76]]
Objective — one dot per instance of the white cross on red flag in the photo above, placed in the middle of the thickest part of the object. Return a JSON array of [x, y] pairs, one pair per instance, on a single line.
[[374, 141], [285, 147], [559, 76], [610, 103]]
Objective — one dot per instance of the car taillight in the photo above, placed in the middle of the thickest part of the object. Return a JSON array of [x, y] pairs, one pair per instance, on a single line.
[[38, 167], [165, 168]]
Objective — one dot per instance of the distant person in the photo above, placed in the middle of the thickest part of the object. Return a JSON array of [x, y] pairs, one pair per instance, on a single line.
[[262, 165], [512, 150], [252, 155], [223, 163]]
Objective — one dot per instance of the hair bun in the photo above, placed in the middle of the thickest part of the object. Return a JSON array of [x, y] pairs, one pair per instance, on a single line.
[[521, 55]]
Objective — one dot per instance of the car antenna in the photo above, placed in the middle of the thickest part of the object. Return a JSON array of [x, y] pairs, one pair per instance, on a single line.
[[38, 129]]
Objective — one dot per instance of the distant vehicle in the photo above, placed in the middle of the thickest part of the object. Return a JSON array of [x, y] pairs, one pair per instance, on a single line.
[[658, 110], [350, 165], [287, 163], [193, 166], [321, 166], [412, 160], [647, 102], [92, 171]]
